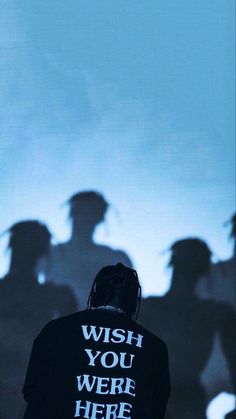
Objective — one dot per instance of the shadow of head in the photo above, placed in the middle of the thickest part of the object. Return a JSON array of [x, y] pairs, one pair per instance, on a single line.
[[190, 257], [28, 242], [87, 209]]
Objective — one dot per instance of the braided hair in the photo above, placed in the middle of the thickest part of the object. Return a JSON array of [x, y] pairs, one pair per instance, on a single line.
[[116, 285]]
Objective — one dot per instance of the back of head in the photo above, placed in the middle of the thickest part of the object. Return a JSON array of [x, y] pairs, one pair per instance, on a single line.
[[190, 257], [116, 285]]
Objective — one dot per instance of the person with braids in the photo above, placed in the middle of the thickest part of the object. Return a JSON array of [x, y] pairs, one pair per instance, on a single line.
[[99, 363]]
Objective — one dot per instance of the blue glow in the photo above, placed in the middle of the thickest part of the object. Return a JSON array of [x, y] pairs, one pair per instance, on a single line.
[[134, 100]]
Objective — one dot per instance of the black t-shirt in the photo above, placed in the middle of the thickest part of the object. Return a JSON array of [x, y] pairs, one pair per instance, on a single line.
[[97, 364]]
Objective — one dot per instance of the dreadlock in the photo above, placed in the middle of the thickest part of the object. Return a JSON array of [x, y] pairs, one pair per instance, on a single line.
[[116, 285]]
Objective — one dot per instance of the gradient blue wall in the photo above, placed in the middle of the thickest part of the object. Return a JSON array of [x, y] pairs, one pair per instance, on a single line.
[[131, 98]]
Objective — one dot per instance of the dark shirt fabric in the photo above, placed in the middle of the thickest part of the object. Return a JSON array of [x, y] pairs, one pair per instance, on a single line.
[[97, 364]]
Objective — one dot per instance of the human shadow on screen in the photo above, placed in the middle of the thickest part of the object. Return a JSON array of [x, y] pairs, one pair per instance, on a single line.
[[25, 308], [220, 287], [224, 272], [188, 325], [222, 284], [77, 261]]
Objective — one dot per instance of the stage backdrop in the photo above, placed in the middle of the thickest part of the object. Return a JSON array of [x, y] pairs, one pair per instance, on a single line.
[[133, 100]]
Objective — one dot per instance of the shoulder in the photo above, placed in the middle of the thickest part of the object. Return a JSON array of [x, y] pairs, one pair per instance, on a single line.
[[153, 341], [60, 326]]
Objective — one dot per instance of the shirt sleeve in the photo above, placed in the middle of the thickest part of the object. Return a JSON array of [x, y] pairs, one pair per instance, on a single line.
[[37, 374]]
